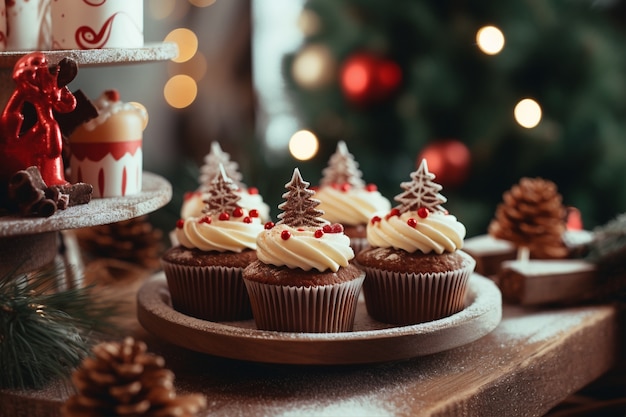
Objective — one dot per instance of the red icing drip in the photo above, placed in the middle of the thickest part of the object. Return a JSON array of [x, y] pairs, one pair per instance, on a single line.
[[97, 151], [124, 180], [101, 181]]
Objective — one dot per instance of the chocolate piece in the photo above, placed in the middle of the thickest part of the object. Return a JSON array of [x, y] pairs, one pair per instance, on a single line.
[[26, 190], [79, 193], [30, 195], [67, 70], [84, 111]]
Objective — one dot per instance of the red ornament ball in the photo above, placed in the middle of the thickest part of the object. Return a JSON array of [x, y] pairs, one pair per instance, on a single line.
[[449, 160], [366, 78]]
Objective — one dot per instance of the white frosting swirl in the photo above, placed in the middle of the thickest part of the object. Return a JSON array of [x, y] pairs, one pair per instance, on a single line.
[[352, 207], [193, 204], [107, 107], [302, 249], [233, 235], [438, 232]]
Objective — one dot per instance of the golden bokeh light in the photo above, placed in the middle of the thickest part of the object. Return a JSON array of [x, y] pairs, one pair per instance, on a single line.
[[527, 113], [490, 40], [202, 3], [303, 145], [314, 66], [187, 43], [180, 91], [196, 67], [161, 9]]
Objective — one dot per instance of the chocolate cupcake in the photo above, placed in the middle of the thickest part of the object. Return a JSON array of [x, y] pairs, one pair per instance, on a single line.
[[415, 270], [346, 199], [204, 271], [303, 280]]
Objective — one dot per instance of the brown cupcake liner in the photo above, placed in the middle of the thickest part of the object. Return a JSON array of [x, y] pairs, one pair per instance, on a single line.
[[214, 293], [407, 298], [322, 309]]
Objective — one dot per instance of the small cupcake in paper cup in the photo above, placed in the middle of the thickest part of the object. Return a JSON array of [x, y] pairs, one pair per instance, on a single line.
[[303, 280], [415, 268], [107, 151]]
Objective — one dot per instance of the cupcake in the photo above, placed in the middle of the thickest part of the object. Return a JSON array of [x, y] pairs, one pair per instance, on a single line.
[[346, 199], [107, 150], [249, 197], [415, 270], [204, 270], [303, 280]]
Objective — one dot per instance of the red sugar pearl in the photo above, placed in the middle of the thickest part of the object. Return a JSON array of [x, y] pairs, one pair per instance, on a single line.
[[345, 187], [253, 191], [247, 219], [238, 212], [423, 212], [224, 216], [268, 225], [319, 233], [371, 187], [205, 219], [180, 223], [254, 213], [411, 222], [285, 234], [327, 228], [337, 228], [393, 212]]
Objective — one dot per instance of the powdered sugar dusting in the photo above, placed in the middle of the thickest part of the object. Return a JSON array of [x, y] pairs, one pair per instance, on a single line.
[[541, 325]]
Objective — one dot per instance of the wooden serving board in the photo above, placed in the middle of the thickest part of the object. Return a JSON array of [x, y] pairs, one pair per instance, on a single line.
[[370, 341]]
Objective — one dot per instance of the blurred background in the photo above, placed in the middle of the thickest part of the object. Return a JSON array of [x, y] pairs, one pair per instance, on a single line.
[[488, 91]]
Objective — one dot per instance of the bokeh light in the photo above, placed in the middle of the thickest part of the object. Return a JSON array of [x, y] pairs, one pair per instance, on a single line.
[[309, 22], [202, 3], [490, 40], [187, 43], [314, 66], [180, 91], [196, 67], [303, 145], [527, 113], [161, 9]]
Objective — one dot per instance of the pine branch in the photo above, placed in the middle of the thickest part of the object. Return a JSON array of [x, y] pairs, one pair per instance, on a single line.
[[44, 333]]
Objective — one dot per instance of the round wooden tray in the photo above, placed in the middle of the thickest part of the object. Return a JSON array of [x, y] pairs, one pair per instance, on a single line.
[[150, 52], [155, 193], [370, 342]]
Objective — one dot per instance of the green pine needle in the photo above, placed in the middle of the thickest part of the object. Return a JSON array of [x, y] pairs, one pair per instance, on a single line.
[[608, 247], [44, 332]]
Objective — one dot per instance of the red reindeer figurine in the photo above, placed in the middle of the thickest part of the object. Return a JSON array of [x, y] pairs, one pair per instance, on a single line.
[[41, 145]]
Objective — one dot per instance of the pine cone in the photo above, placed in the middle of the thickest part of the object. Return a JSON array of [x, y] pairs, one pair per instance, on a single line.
[[134, 240], [124, 380], [532, 215]]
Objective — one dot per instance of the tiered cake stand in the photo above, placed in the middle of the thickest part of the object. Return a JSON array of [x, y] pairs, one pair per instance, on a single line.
[[29, 243]]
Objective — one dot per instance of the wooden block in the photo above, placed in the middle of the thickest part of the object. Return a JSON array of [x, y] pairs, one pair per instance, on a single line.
[[489, 253], [535, 282]]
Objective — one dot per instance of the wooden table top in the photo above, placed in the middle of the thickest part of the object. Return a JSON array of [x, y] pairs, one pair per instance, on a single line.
[[532, 361]]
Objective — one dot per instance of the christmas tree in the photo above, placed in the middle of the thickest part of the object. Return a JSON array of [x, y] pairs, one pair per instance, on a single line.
[[299, 207], [409, 80], [421, 192], [222, 197], [342, 169]]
